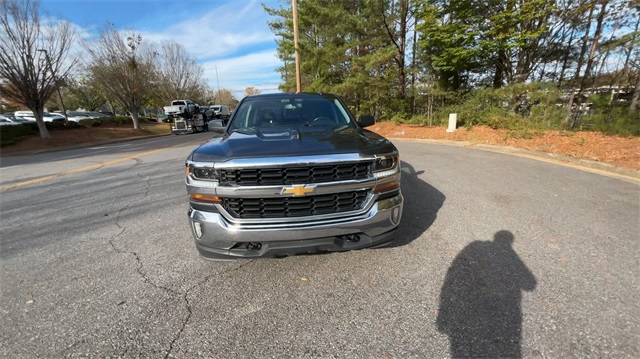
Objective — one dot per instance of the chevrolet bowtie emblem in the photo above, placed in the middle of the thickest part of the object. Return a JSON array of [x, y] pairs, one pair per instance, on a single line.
[[298, 190]]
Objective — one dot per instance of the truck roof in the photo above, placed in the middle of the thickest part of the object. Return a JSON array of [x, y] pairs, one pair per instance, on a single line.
[[289, 95]]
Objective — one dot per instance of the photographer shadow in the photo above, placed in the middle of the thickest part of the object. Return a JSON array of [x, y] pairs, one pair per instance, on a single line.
[[480, 302]]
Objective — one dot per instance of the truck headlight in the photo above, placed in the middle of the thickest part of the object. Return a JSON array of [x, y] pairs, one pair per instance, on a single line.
[[205, 173], [205, 176], [385, 165]]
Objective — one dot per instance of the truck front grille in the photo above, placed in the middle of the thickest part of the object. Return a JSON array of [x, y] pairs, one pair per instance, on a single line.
[[181, 125], [294, 175], [279, 207]]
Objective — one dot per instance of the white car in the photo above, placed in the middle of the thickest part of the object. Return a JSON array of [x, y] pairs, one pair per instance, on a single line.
[[9, 117], [4, 121], [220, 111], [77, 116], [46, 116]]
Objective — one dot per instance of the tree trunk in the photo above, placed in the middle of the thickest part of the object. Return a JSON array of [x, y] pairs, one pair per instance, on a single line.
[[583, 50], [404, 13], [134, 117], [501, 61], [594, 44], [625, 70], [413, 65], [565, 61], [592, 52], [44, 132], [635, 100]]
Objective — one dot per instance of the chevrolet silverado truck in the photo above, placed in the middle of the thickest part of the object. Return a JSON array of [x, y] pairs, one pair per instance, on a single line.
[[292, 174], [186, 117]]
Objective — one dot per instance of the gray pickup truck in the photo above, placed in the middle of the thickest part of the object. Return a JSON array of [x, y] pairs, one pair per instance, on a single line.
[[292, 174]]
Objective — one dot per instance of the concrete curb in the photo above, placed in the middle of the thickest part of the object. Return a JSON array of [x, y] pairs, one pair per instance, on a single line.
[[81, 145], [578, 163]]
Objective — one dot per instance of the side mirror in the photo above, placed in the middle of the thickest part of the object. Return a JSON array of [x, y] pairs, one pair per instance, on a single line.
[[366, 120], [216, 126]]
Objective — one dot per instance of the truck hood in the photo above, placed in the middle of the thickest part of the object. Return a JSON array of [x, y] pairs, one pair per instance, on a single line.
[[305, 141]]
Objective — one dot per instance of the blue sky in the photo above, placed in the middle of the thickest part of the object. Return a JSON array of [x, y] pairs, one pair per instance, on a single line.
[[230, 35]]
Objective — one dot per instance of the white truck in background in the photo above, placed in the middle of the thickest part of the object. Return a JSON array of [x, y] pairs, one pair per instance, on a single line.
[[186, 117], [221, 111]]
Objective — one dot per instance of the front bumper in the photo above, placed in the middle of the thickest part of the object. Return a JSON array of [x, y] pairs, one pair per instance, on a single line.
[[219, 239], [181, 131]]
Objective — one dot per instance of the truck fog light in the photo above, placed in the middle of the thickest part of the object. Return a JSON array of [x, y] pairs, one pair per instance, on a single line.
[[395, 215], [197, 228]]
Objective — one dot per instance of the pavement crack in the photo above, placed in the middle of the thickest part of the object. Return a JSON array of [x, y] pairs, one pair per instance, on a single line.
[[185, 298], [147, 183], [147, 280], [126, 206]]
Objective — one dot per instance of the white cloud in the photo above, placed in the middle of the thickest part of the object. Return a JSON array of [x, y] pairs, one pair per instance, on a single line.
[[221, 31], [236, 74], [235, 39]]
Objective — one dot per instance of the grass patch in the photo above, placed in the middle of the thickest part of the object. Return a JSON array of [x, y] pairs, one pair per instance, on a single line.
[[158, 128]]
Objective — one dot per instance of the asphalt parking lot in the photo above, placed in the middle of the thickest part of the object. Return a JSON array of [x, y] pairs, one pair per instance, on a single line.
[[497, 256]]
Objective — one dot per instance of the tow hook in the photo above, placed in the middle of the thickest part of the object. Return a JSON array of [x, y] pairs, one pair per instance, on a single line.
[[253, 246], [351, 237]]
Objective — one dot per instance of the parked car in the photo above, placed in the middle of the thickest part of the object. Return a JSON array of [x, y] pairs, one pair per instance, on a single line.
[[4, 121], [46, 116], [96, 114], [14, 118], [77, 116]]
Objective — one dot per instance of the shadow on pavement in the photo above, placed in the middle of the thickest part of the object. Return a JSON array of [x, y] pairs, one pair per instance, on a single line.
[[421, 205], [480, 302]]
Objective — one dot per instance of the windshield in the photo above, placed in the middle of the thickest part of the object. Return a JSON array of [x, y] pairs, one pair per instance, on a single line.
[[290, 112]]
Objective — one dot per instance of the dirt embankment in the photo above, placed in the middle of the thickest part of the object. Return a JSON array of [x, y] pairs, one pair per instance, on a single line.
[[595, 146]]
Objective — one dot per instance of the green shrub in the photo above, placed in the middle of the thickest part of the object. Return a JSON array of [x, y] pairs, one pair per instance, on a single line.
[[12, 134], [519, 108], [116, 120], [613, 120], [399, 118], [92, 122], [55, 125], [72, 124]]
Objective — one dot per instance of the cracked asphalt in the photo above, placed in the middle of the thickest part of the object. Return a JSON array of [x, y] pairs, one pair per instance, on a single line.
[[497, 256]]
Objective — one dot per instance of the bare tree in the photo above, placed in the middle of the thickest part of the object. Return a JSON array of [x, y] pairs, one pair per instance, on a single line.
[[124, 69], [83, 92], [33, 56], [225, 97], [251, 91], [180, 75]]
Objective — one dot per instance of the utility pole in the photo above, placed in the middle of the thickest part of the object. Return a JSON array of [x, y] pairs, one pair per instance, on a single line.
[[218, 81], [53, 74], [295, 42]]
